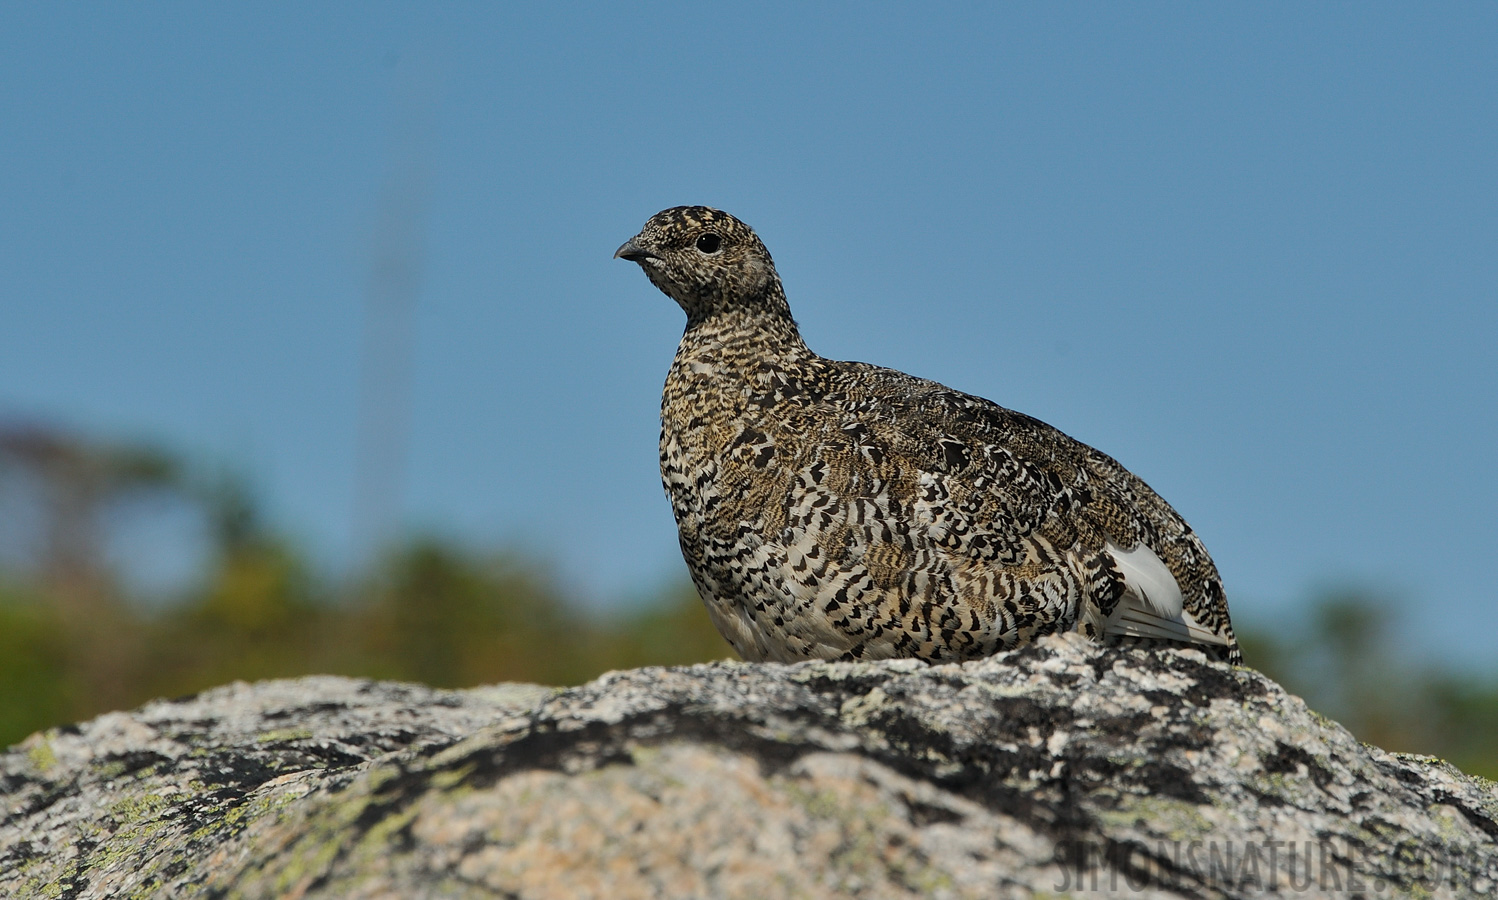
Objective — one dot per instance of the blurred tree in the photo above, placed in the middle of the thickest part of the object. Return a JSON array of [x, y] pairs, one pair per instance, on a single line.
[[38, 685], [78, 486], [79, 483], [673, 630], [446, 618], [1344, 661], [256, 616], [1460, 722]]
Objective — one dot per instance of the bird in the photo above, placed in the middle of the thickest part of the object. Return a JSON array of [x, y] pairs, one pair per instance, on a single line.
[[832, 510]]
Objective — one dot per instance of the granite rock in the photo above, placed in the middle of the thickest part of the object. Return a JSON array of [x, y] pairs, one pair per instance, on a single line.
[[1060, 768]]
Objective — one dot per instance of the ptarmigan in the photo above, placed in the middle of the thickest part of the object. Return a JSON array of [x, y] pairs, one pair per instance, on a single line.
[[838, 510]]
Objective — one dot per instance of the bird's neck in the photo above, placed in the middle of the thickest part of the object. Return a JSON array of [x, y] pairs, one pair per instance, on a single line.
[[744, 334]]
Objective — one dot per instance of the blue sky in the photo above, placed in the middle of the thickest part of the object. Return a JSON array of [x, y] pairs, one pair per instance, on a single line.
[[1249, 250]]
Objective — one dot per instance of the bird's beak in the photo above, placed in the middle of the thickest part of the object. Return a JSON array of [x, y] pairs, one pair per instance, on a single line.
[[633, 252]]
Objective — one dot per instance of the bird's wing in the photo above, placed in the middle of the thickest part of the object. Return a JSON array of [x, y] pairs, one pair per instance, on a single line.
[[999, 499], [1121, 512]]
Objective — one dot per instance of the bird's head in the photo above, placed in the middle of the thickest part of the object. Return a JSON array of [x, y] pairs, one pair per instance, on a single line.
[[707, 261]]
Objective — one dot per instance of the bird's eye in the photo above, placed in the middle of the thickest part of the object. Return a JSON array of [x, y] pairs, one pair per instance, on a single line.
[[709, 243]]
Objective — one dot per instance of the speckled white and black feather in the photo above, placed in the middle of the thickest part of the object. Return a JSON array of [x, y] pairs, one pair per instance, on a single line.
[[836, 510]]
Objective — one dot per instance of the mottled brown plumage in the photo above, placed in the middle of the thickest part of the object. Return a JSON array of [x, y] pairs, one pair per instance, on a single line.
[[838, 510]]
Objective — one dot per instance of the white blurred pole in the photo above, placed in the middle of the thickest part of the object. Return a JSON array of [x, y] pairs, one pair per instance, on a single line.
[[388, 353]]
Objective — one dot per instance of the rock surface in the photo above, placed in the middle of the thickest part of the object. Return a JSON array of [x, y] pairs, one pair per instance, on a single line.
[[1061, 768]]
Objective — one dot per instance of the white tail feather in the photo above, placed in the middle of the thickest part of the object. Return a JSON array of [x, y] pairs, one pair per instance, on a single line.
[[1145, 574], [1152, 605]]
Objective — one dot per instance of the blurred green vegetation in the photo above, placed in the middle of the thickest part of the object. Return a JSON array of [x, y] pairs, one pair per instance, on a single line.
[[1342, 654], [433, 613], [75, 642]]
